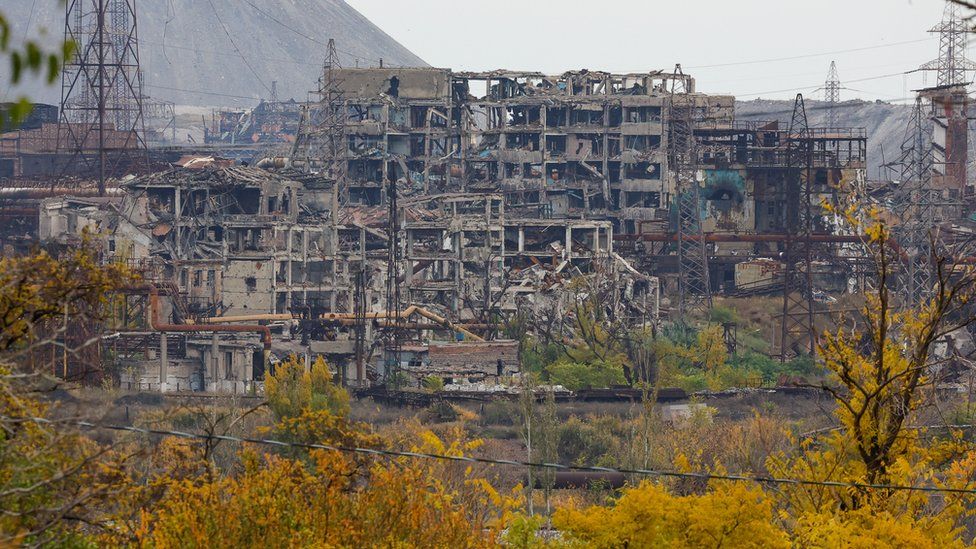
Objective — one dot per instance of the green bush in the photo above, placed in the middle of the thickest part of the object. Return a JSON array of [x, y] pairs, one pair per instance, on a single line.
[[536, 356], [433, 384], [582, 442], [720, 314], [577, 375]]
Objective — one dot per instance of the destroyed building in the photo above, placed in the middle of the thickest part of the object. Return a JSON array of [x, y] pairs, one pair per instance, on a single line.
[[582, 144], [495, 190]]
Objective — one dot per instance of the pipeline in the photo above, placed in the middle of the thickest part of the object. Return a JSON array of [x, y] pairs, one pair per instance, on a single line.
[[349, 318], [245, 318], [762, 237], [246, 328], [409, 311]]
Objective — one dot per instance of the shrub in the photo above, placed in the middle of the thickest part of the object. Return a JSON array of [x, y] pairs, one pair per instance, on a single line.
[[433, 384], [583, 442], [577, 375]]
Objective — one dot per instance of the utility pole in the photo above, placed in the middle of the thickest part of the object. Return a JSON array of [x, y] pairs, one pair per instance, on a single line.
[[914, 202], [393, 293], [950, 100]]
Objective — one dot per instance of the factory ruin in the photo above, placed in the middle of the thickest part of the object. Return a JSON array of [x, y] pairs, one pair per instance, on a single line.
[[392, 226]]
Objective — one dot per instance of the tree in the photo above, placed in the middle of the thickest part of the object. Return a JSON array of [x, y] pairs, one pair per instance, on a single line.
[[730, 515], [293, 388], [50, 480], [882, 370]]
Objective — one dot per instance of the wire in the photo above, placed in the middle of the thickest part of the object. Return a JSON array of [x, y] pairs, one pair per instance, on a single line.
[[292, 29], [302, 34], [203, 92], [804, 56], [816, 86], [238, 50], [227, 53], [490, 461]]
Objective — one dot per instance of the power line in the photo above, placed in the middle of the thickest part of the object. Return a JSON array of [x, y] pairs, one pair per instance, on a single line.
[[817, 86], [807, 55], [489, 461], [164, 44], [302, 34], [238, 50], [845, 105], [202, 92]]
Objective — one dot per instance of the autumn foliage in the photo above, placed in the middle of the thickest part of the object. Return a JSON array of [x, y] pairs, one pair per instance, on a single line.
[[62, 486]]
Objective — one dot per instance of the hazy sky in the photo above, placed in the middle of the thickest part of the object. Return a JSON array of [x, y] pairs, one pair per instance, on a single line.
[[733, 46]]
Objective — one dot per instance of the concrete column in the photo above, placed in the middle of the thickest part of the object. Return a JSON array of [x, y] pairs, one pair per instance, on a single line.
[[521, 239], [163, 362], [177, 207], [408, 275], [569, 243], [215, 359]]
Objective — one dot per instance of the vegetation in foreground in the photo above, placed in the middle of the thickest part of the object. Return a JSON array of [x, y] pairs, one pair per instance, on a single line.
[[62, 486]]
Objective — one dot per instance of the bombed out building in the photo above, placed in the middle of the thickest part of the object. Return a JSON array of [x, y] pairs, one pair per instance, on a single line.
[[454, 200]]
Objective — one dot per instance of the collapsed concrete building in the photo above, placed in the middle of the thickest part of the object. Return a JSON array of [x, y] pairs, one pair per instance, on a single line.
[[508, 186]]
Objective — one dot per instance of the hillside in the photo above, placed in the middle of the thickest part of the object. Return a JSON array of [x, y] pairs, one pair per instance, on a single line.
[[885, 123], [183, 46]]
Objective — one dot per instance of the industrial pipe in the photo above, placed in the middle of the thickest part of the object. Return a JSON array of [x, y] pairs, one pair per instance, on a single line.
[[409, 311], [47, 192], [245, 318], [715, 237], [160, 327], [432, 325], [217, 328]]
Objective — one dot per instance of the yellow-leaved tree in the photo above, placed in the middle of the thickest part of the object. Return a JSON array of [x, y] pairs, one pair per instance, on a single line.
[[325, 498], [54, 483], [648, 515], [880, 366]]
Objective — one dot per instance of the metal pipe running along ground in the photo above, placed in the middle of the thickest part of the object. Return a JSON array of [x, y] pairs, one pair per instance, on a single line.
[[161, 327], [351, 317]]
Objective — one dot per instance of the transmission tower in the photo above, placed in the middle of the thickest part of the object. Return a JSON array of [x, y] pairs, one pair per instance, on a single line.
[[798, 304], [952, 64], [331, 124], [914, 202], [832, 95], [101, 88], [694, 288]]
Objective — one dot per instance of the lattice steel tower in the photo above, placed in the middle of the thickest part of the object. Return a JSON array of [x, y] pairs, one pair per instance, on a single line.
[[798, 329], [832, 94], [952, 64], [694, 287], [915, 204], [331, 119], [101, 88]]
